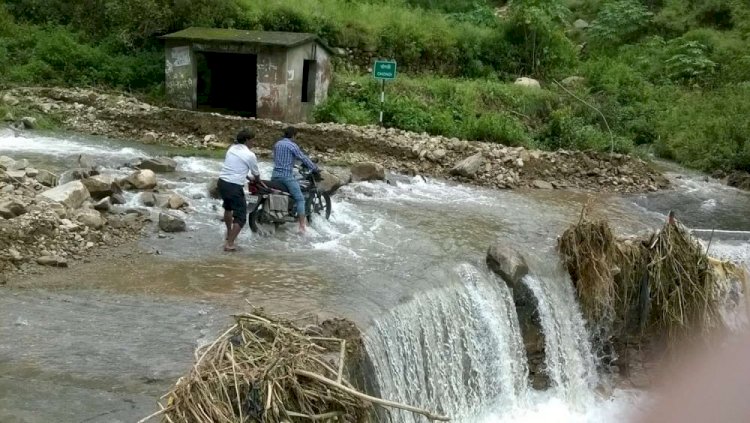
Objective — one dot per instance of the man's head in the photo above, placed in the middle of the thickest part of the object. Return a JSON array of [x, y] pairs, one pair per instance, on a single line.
[[245, 136], [289, 132]]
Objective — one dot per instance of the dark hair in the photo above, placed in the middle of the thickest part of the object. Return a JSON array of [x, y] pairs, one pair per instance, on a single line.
[[244, 135], [289, 132]]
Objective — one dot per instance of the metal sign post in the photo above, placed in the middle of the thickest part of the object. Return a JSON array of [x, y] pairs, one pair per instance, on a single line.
[[384, 70]]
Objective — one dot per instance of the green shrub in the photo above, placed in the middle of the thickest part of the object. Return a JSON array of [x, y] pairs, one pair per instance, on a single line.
[[619, 22], [709, 129]]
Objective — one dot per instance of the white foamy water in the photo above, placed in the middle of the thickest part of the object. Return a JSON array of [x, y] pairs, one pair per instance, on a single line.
[[455, 350]]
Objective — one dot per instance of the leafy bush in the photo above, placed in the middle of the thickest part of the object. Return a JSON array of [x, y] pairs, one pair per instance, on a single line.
[[619, 22], [709, 129]]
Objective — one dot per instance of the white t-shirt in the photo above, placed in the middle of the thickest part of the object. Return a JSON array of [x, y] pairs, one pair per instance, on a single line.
[[238, 164]]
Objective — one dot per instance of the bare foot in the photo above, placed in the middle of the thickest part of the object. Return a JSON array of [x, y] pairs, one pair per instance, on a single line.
[[230, 248]]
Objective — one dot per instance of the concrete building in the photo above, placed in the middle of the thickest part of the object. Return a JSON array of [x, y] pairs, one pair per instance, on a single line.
[[271, 75]]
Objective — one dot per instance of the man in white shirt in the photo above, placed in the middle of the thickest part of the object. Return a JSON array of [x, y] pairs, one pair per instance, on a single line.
[[240, 165]]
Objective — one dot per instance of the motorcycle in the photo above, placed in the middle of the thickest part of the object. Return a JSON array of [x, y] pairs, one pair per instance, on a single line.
[[269, 202]]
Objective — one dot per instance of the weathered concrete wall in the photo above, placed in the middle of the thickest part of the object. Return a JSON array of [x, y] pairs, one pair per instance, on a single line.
[[272, 88], [297, 111], [181, 76], [324, 75]]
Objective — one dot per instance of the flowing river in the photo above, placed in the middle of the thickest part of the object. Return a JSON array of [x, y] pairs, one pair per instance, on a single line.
[[100, 342]]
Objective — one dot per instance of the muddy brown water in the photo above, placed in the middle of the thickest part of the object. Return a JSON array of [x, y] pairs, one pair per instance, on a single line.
[[101, 341]]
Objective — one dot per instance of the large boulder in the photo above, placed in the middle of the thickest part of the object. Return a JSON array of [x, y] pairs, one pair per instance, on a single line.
[[508, 263], [168, 222], [367, 171], [528, 82], [141, 180], [12, 208], [72, 194], [158, 164], [101, 186], [46, 178], [739, 180], [91, 218], [329, 182], [469, 166]]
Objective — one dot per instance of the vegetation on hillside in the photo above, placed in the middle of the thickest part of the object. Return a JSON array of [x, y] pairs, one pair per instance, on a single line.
[[672, 76]]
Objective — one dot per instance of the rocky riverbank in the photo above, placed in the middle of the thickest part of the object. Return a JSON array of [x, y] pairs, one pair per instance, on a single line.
[[53, 220], [479, 163]]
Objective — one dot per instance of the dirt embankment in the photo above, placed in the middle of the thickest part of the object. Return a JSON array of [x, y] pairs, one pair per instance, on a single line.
[[486, 164]]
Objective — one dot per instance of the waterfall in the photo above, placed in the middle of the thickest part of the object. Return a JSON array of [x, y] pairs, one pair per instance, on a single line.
[[569, 361], [454, 350], [459, 351]]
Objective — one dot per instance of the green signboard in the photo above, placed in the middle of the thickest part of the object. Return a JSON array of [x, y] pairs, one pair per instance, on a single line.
[[385, 70]]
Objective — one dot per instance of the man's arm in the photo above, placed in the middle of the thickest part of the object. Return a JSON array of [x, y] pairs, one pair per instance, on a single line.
[[253, 165], [302, 157]]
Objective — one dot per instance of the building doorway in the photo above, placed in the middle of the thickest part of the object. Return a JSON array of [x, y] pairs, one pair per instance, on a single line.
[[227, 83]]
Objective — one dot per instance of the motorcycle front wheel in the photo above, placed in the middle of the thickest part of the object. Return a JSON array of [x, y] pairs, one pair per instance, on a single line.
[[321, 203]]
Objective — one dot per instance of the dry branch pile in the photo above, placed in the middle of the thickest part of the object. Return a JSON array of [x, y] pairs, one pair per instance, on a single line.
[[665, 284], [267, 370]]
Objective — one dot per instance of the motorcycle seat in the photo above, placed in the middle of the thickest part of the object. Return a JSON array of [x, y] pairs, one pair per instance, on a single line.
[[275, 185]]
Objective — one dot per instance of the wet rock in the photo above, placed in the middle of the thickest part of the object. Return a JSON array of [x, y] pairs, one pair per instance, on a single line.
[[19, 165], [118, 199], [469, 166], [91, 218], [46, 178], [159, 164], [148, 199], [367, 171], [29, 122], [739, 180], [12, 208], [176, 202], [6, 162], [539, 184], [329, 182], [103, 205], [86, 162], [31, 172], [170, 223], [507, 263], [72, 194], [74, 175], [528, 82], [53, 261], [101, 186], [140, 180]]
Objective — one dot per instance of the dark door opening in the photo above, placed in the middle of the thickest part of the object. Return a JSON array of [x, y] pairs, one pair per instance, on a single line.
[[227, 82], [309, 73]]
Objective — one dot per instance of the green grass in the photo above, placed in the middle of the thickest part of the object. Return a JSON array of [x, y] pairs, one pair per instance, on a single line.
[[669, 76]]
